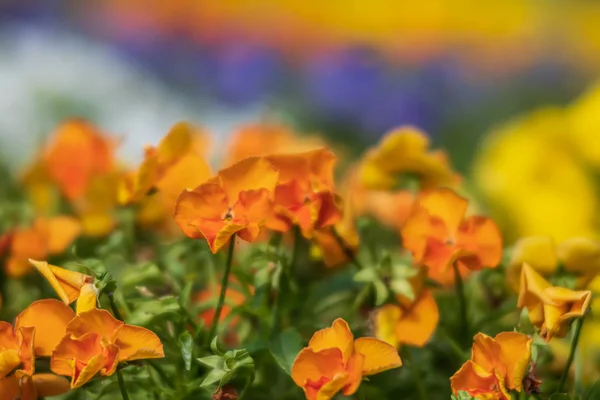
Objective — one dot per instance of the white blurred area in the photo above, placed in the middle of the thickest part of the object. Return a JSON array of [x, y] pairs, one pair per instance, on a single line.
[[47, 75]]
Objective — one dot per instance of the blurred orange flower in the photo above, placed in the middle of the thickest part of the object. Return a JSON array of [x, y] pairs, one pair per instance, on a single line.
[[579, 256], [97, 342], [550, 308], [37, 331], [70, 285], [262, 139], [497, 365], [175, 164], [410, 321], [438, 235], [77, 152], [304, 195], [237, 201], [334, 362], [45, 237], [405, 151]]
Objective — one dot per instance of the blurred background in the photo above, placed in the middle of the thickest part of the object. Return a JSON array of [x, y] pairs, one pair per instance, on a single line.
[[501, 85]]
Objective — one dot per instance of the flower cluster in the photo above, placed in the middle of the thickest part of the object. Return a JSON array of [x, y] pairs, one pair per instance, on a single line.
[[315, 277]]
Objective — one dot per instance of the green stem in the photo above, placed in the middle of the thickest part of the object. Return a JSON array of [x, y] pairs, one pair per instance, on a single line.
[[161, 372], [224, 283], [295, 250], [347, 250], [122, 385], [458, 351], [574, 341], [462, 300], [417, 374], [276, 312], [113, 306]]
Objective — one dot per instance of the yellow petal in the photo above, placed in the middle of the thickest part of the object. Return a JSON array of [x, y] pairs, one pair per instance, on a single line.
[[379, 356], [386, 320], [337, 336], [50, 318], [9, 360], [67, 284], [580, 255], [188, 172], [538, 251], [330, 389], [532, 289], [135, 342], [176, 143], [88, 298]]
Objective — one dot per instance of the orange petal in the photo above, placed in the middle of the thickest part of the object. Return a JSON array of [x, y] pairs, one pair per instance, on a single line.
[[27, 354], [312, 366], [8, 338], [50, 318], [379, 356], [386, 319], [67, 284], [480, 236], [292, 168], [61, 233], [80, 358], [252, 173], [254, 206], [447, 205], [333, 387], [485, 352], [188, 172], [136, 343], [97, 321], [418, 324], [48, 385], [88, 298], [201, 209], [337, 336], [577, 301], [10, 387], [217, 240], [473, 380], [515, 355], [354, 368]]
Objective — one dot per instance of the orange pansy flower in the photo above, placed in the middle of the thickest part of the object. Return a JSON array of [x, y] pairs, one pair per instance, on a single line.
[[438, 234], [237, 201], [45, 237], [405, 151], [37, 331], [550, 308], [304, 195], [97, 342], [70, 285], [334, 362], [497, 365], [77, 152], [175, 164], [267, 138], [410, 322]]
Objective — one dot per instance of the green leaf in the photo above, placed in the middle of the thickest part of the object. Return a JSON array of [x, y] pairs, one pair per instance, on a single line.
[[366, 275], [213, 377], [184, 296], [214, 346], [381, 292], [561, 396], [594, 392], [186, 344], [285, 348], [403, 287], [212, 361]]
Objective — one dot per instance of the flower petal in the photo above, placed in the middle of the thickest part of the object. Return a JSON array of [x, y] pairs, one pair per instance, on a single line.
[[481, 237], [80, 358], [379, 356], [188, 172], [62, 231], [386, 319], [447, 205], [88, 298], [136, 343], [10, 387], [337, 336], [537, 251], [515, 355], [473, 380], [97, 321], [310, 365], [533, 289], [50, 318], [252, 173], [580, 255], [201, 210], [485, 352], [67, 284], [9, 360], [48, 385], [27, 354], [418, 324], [354, 368]]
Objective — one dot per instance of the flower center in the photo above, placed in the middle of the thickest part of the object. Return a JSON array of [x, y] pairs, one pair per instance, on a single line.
[[228, 215]]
